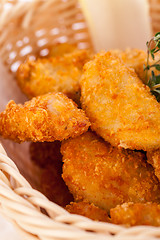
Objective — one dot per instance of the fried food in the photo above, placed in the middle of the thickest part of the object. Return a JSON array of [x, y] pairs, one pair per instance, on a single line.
[[88, 210], [107, 176], [120, 107], [61, 49], [153, 157], [45, 118], [45, 153], [54, 74], [132, 214], [134, 58], [53, 186]]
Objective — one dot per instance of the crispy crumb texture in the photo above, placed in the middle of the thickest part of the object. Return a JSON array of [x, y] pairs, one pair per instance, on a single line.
[[133, 214], [45, 118], [53, 74], [88, 210], [120, 107], [105, 175]]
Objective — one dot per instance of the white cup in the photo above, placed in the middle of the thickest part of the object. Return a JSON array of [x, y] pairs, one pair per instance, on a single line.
[[117, 23]]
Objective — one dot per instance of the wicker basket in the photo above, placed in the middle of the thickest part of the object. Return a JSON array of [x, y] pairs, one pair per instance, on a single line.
[[155, 15], [24, 31]]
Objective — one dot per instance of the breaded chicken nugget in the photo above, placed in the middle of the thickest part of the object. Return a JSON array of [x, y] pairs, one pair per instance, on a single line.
[[54, 74], [134, 58], [107, 176], [61, 49], [45, 118], [53, 186], [132, 214], [153, 157], [45, 153], [120, 107], [88, 210]]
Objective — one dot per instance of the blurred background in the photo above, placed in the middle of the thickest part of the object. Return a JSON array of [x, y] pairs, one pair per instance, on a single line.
[[118, 23]]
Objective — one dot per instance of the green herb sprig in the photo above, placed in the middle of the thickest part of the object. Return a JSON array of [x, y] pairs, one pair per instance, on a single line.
[[153, 46]]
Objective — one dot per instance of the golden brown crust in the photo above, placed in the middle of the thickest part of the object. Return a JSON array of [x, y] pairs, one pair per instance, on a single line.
[[45, 118], [105, 175], [54, 74], [60, 49], [132, 214], [120, 107], [133, 58], [136, 59], [88, 210]]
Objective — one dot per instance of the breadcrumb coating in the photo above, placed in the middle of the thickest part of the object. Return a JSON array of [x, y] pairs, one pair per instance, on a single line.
[[61, 49], [133, 214], [134, 58], [88, 210], [120, 107], [107, 176], [45, 118], [53, 74]]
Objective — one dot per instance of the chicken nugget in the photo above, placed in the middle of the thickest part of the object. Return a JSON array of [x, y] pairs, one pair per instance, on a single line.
[[54, 74], [153, 157], [120, 107], [61, 49], [132, 214], [88, 210], [45, 153], [134, 58], [137, 59], [45, 118], [105, 175]]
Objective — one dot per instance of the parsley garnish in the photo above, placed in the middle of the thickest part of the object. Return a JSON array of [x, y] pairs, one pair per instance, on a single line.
[[153, 46]]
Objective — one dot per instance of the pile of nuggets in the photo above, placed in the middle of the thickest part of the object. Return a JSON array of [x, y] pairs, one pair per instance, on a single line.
[[94, 128]]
